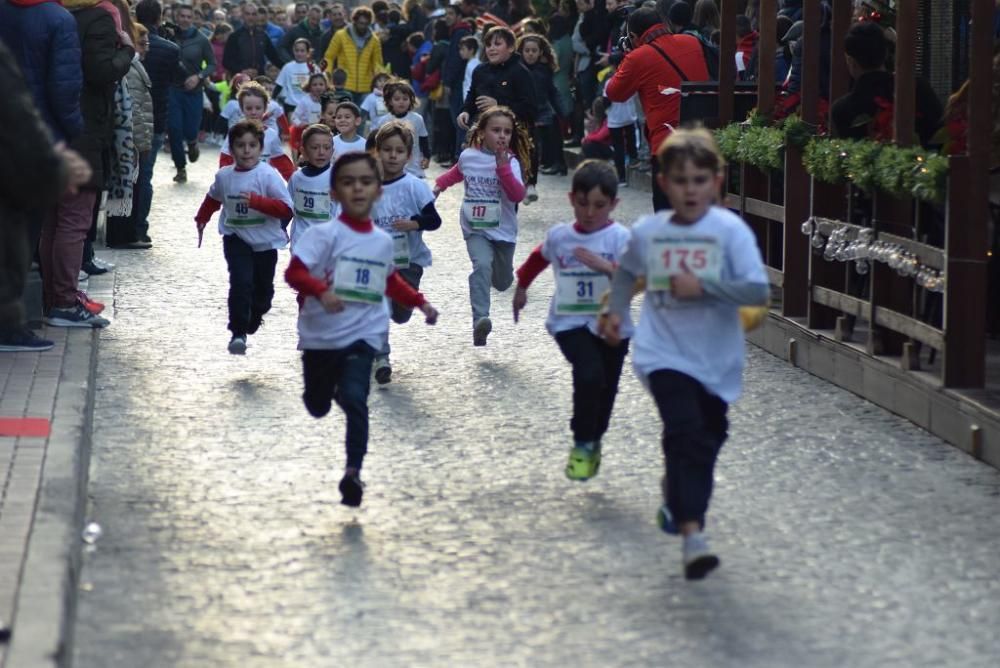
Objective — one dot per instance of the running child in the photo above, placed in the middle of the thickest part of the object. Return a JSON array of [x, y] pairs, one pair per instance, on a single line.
[[405, 211], [374, 105], [256, 209], [253, 101], [700, 263], [273, 116], [308, 110], [402, 101], [343, 270], [309, 187], [347, 122], [491, 169], [583, 255], [292, 82]]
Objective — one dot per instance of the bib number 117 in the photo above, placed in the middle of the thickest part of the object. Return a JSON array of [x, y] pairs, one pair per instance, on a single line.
[[478, 210]]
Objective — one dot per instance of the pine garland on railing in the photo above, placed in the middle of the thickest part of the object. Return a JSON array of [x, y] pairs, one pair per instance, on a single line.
[[868, 165]]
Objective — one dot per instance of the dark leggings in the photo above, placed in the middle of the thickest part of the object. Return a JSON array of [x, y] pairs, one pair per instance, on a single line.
[[623, 143], [597, 368]]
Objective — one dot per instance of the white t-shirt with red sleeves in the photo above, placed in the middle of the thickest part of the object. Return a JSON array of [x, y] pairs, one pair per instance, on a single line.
[[577, 298], [271, 149], [307, 112], [486, 209], [418, 129], [402, 199], [311, 198], [233, 114], [357, 264], [293, 78], [260, 231]]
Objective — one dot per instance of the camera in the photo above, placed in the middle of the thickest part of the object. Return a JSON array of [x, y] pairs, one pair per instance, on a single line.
[[625, 44]]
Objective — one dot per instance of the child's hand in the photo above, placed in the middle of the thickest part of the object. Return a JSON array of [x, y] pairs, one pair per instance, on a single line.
[[405, 225], [686, 286], [425, 163], [201, 231], [609, 328], [430, 314], [331, 302], [436, 190], [503, 156], [593, 261], [520, 300]]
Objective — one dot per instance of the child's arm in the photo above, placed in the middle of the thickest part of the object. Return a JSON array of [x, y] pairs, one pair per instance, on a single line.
[[425, 149], [302, 281], [512, 186], [526, 273], [205, 212], [269, 206], [448, 179], [748, 285], [398, 290], [284, 165]]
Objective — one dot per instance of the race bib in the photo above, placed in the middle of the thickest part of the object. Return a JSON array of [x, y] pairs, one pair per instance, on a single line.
[[481, 214], [360, 280], [300, 80], [312, 204], [401, 249], [579, 291], [671, 256], [239, 213]]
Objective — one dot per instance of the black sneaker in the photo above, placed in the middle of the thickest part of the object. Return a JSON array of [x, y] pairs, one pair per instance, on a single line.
[[383, 370], [181, 176], [193, 152], [351, 490], [93, 269], [75, 316], [23, 340]]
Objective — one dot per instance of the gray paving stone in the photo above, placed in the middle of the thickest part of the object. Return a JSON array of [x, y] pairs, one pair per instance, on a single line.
[[847, 535]]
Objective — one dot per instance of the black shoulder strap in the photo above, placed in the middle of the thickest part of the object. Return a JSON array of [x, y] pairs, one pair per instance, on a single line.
[[670, 60]]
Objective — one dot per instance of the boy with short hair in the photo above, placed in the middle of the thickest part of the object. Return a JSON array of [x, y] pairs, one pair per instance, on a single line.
[[347, 120], [343, 271], [502, 80], [583, 255]]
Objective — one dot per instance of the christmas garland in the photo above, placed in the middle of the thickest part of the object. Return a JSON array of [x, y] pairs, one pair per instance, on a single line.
[[864, 163]]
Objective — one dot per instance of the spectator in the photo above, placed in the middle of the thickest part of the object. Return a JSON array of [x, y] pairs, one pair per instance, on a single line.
[[502, 79], [454, 72], [792, 9], [338, 20], [358, 51], [275, 19], [645, 70], [308, 28], [746, 44], [43, 39], [867, 110], [187, 97], [705, 18], [249, 47], [394, 47], [106, 55], [31, 177], [561, 26], [126, 231], [441, 127], [219, 37], [162, 63]]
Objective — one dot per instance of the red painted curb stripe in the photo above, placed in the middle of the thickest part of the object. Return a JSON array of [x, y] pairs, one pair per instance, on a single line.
[[25, 427]]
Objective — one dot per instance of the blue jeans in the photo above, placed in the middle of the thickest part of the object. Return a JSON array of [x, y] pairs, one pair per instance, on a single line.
[[455, 108], [343, 376], [694, 429], [183, 121]]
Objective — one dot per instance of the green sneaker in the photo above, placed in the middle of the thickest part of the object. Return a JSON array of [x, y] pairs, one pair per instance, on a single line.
[[584, 460]]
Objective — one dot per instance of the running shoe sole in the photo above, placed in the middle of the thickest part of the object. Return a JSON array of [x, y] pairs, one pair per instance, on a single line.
[[4, 348], [383, 375], [350, 492], [95, 323], [481, 330], [701, 566], [238, 347]]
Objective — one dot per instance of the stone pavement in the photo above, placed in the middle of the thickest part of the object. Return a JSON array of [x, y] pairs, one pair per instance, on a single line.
[[42, 489], [847, 536]]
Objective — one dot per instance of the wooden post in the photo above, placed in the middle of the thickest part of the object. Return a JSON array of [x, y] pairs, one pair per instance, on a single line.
[[727, 63], [766, 47], [968, 215], [840, 79], [905, 93], [812, 16]]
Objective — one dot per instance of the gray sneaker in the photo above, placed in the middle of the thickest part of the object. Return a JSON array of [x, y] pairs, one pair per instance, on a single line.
[[698, 558], [481, 330], [383, 370], [75, 316], [238, 345]]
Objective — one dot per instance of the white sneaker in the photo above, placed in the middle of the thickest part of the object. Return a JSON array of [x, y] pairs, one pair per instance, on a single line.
[[383, 370], [530, 195], [698, 558], [82, 276]]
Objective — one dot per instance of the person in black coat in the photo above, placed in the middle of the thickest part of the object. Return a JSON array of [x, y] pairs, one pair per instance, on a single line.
[[308, 29], [502, 80], [250, 48]]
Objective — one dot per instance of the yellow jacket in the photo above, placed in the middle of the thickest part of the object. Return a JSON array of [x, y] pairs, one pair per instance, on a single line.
[[361, 68]]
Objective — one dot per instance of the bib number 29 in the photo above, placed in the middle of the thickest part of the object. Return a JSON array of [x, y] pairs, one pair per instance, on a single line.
[[308, 202]]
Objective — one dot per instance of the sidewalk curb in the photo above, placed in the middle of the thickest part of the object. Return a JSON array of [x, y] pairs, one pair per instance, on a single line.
[[46, 603]]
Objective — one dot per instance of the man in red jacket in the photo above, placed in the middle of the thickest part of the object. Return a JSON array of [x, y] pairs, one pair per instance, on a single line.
[[654, 68]]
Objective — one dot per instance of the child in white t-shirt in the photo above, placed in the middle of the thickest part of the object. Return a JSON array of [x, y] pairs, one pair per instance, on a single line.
[[700, 263], [493, 186], [374, 105], [347, 122], [343, 270], [256, 209], [402, 101], [309, 187], [467, 48], [308, 110], [405, 210], [622, 118], [273, 116], [583, 255], [292, 81], [253, 101]]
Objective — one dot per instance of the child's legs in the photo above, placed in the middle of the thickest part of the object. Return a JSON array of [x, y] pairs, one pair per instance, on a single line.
[[240, 260], [618, 146], [631, 149], [194, 107], [481, 254], [553, 139], [352, 374], [400, 313], [694, 425], [318, 380], [503, 264], [263, 281], [614, 359], [582, 350], [535, 156]]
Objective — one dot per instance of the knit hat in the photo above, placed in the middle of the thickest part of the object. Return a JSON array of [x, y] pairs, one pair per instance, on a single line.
[[680, 14]]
